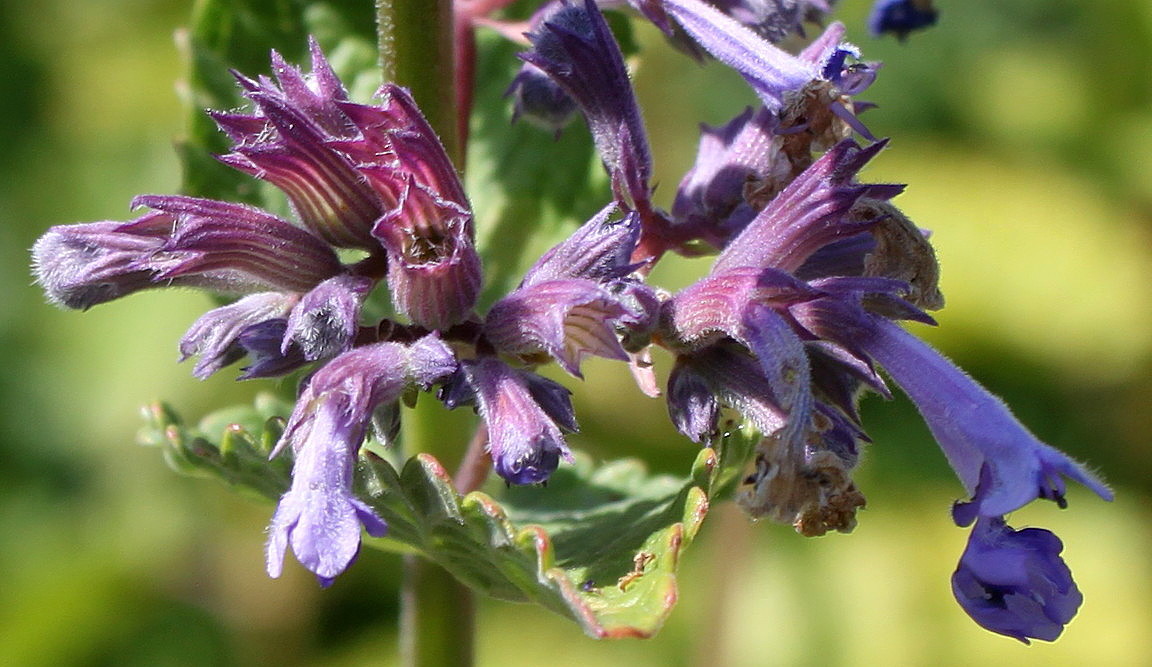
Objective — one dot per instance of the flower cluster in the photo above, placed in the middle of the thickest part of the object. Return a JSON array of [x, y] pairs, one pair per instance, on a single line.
[[791, 326]]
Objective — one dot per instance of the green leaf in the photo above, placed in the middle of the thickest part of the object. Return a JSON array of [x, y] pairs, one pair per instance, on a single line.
[[231, 444], [600, 544], [239, 35]]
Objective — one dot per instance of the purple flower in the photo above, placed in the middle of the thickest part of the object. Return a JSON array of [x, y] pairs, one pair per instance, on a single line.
[[1014, 582], [525, 414], [576, 298], [999, 461], [361, 176], [319, 517], [574, 46], [901, 17]]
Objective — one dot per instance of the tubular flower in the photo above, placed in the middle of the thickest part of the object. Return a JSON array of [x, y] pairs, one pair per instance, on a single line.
[[574, 46], [526, 416], [319, 516]]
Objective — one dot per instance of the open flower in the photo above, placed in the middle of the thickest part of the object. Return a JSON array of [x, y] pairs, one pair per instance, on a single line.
[[1014, 582], [319, 517]]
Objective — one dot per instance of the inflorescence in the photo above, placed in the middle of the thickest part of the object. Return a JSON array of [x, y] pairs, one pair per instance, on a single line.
[[788, 330]]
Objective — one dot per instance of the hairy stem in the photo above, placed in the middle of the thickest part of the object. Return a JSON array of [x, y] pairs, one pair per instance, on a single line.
[[416, 51]]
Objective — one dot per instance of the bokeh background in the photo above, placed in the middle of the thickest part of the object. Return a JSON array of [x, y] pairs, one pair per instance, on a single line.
[[1024, 131]]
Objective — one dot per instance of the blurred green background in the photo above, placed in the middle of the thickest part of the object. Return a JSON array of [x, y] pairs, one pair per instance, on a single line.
[[1024, 131]]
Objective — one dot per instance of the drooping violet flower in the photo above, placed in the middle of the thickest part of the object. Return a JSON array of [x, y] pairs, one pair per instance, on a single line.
[[319, 517], [1002, 465], [574, 46], [1014, 582], [526, 415], [901, 17]]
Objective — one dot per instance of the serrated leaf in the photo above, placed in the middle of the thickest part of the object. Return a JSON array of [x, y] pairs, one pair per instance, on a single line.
[[600, 544], [231, 444]]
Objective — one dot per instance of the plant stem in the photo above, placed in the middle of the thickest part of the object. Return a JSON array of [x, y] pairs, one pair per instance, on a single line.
[[437, 617], [436, 611], [415, 38], [416, 51]]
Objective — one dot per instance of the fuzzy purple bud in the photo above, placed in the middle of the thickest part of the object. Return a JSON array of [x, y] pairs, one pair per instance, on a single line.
[[324, 322], [215, 336], [80, 266], [599, 250], [524, 413]]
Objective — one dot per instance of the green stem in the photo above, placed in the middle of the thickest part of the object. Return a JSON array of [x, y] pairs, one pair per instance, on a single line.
[[437, 617], [416, 51]]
